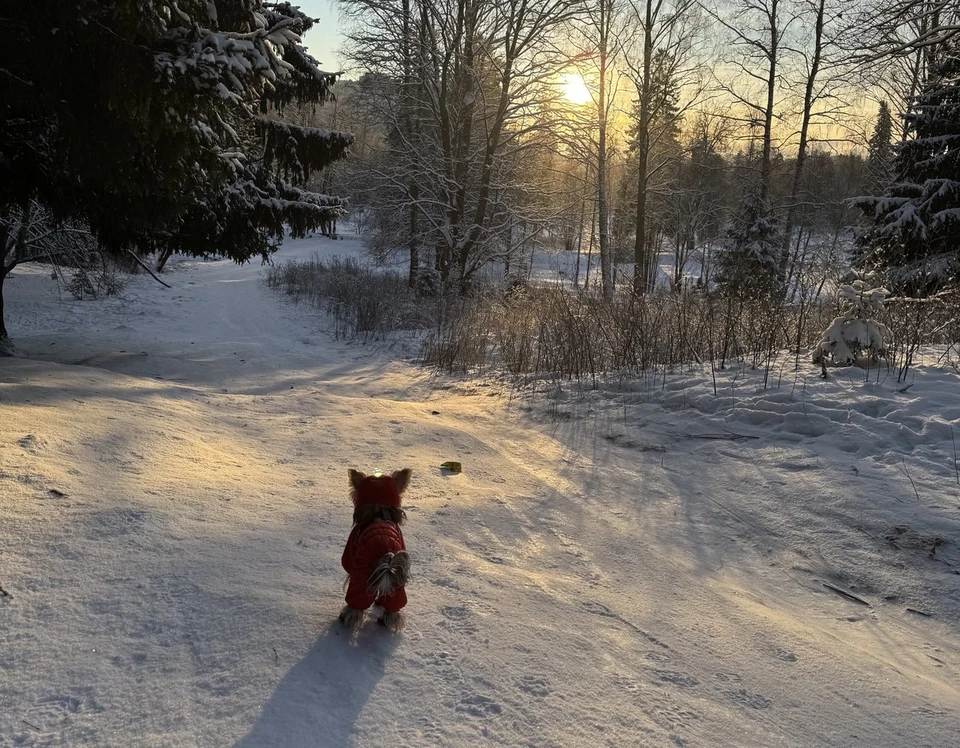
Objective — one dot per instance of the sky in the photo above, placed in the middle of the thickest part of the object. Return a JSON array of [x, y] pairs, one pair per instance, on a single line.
[[324, 38]]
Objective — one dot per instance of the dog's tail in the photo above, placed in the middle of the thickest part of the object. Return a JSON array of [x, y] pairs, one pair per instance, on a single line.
[[389, 573]]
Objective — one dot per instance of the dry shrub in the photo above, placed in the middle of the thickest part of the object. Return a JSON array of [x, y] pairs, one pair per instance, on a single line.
[[552, 331], [361, 300], [916, 322]]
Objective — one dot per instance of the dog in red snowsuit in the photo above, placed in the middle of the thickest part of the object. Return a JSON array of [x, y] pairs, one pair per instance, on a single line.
[[375, 557]]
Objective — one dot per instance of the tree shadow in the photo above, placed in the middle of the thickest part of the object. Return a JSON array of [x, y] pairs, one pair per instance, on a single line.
[[319, 700]]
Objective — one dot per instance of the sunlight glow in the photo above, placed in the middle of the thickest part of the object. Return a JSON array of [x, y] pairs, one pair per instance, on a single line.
[[575, 89]]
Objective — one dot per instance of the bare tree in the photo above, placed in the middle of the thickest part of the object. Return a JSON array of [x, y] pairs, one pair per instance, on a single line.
[[901, 27], [603, 28], [698, 199], [894, 40], [663, 64], [481, 75], [756, 31], [823, 69], [29, 234]]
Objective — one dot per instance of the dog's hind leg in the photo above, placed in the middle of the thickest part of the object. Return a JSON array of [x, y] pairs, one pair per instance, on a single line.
[[393, 621], [351, 618]]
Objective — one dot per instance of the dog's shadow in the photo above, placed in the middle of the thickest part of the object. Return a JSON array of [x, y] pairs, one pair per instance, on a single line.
[[317, 703]]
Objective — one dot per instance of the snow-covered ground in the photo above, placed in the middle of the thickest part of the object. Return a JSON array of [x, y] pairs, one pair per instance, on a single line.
[[173, 497]]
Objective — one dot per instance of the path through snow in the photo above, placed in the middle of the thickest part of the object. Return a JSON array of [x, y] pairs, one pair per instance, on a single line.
[[173, 494]]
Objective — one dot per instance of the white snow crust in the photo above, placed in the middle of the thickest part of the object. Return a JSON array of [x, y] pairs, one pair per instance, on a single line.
[[643, 564]]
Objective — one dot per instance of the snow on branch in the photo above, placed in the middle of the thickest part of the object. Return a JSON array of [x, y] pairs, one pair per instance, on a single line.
[[856, 334], [294, 150]]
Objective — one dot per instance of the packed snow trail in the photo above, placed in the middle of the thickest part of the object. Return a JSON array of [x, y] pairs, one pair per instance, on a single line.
[[174, 505]]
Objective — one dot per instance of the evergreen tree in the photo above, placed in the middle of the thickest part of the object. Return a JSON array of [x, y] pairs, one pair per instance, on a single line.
[[880, 152], [749, 259], [915, 234], [150, 124], [653, 137], [857, 336]]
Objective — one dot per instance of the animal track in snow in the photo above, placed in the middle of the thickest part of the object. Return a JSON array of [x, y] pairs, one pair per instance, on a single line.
[[666, 713], [598, 609], [31, 443], [56, 713], [729, 677], [455, 613], [458, 617], [478, 706], [785, 654], [475, 606], [675, 678], [658, 657], [745, 698], [535, 685], [446, 583], [112, 523]]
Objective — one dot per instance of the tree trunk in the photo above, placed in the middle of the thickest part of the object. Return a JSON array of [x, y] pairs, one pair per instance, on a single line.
[[593, 236], [15, 249], [576, 269], [641, 280], [804, 135], [6, 346], [606, 266], [772, 52], [164, 256], [414, 239], [408, 122]]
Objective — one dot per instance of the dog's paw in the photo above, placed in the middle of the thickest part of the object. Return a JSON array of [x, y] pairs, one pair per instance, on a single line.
[[351, 618], [393, 621]]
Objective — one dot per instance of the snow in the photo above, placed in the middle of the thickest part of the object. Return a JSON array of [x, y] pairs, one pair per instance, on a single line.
[[605, 571], [857, 334]]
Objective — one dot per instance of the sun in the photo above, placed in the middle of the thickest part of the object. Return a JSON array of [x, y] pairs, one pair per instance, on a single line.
[[575, 90]]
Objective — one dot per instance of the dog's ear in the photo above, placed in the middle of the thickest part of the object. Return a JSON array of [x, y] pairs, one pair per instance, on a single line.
[[402, 479], [355, 477]]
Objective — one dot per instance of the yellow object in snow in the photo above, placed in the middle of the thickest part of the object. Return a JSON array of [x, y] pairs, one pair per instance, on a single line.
[[453, 467]]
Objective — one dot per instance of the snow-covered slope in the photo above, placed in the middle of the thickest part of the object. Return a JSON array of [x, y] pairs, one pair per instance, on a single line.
[[173, 507]]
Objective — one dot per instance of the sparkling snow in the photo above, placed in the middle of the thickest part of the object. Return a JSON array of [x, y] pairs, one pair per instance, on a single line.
[[643, 564]]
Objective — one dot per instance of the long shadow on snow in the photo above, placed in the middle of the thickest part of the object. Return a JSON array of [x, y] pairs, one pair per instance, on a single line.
[[318, 702]]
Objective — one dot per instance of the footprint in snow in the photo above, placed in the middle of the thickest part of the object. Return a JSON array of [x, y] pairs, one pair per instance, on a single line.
[[742, 697], [111, 523], [598, 609], [445, 582], [669, 715], [929, 713], [455, 613], [458, 619], [535, 686], [785, 654], [57, 711], [674, 678], [729, 677], [479, 706], [31, 443], [628, 685]]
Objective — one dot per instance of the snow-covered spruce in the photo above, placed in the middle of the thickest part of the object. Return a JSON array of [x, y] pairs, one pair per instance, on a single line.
[[856, 336], [916, 220]]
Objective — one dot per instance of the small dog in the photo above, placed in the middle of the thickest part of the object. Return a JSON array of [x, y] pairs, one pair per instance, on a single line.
[[375, 557]]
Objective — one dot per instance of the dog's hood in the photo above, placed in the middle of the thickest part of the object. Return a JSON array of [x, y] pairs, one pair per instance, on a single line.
[[377, 489]]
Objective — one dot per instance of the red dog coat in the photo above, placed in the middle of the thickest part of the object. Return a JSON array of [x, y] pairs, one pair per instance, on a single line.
[[366, 545]]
